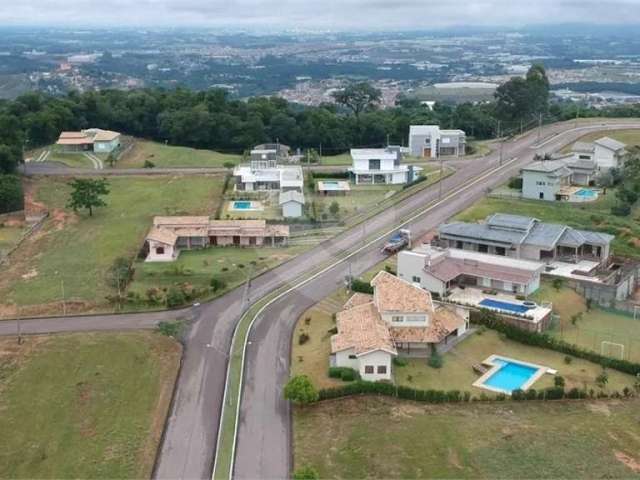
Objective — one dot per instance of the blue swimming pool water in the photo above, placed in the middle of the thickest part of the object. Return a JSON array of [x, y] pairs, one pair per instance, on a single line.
[[506, 306], [585, 192], [242, 205], [510, 376]]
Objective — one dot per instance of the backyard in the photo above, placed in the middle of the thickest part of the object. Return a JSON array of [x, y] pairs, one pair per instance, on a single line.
[[168, 156], [69, 257], [102, 418], [590, 216], [369, 437]]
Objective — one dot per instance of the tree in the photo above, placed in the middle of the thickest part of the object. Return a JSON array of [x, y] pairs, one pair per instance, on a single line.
[[519, 99], [357, 97], [9, 159], [306, 473], [300, 390], [11, 194], [602, 379], [87, 193], [334, 208], [119, 274], [557, 283]]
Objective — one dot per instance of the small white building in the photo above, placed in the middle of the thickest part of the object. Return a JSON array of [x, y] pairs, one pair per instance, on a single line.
[[429, 141], [398, 318], [379, 166], [292, 204], [544, 180], [609, 153], [162, 245]]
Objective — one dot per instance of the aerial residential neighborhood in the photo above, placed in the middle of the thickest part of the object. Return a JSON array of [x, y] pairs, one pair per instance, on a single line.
[[318, 241]]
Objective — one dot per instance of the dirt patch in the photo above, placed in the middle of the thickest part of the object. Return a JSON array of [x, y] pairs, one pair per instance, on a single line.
[[454, 459], [628, 461], [33, 273], [599, 407], [406, 410], [31, 205]]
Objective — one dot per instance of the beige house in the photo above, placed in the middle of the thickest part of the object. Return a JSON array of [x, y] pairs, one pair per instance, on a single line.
[[169, 235], [399, 318]]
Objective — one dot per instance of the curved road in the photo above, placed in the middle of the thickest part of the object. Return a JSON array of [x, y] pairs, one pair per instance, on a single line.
[[263, 445]]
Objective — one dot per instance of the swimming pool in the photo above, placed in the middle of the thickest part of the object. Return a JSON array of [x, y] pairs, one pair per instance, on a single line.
[[504, 306], [242, 205], [586, 192], [507, 375]]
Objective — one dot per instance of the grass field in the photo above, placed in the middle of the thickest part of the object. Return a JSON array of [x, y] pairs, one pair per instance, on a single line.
[[630, 137], [9, 236], [593, 326], [167, 156], [84, 405], [590, 216], [70, 159], [73, 252], [367, 437]]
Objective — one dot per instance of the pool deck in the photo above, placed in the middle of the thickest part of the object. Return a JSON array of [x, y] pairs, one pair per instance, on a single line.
[[473, 296], [490, 362]]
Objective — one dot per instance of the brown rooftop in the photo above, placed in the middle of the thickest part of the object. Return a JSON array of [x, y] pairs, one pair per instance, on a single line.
[[393, 294], [361, 328]]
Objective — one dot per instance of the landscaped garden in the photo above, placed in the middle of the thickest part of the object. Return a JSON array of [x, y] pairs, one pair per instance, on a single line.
[[84, 405], [377, 437]]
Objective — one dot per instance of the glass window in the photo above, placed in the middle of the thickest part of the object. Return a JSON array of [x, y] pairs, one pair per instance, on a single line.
[[382, 369], [416, 279], [397, 318], [352, 357], [160, 250], [368, 369]]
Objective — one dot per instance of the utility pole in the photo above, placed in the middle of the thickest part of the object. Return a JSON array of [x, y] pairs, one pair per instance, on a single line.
[[577, 115], [539, 126], [387, 139], [501, 148], [64, 303], [441, 175]]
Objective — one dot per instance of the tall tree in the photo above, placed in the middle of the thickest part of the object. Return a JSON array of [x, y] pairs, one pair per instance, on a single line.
[[358, 97], [87, 193], [520, 99]]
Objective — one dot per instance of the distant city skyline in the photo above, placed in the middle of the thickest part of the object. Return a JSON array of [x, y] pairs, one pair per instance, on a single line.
[[360, 15]]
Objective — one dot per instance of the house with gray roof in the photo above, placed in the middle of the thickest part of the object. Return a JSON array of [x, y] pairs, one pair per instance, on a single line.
[[292, 203], [527, 238], [558, 178]]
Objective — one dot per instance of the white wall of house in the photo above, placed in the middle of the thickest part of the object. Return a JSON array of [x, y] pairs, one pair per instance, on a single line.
[[161, 252], [377, 359], [605, 157], [106, 147], [347, 358], [539, 186]]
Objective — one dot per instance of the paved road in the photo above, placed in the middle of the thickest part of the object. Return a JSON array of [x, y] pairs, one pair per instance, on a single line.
[[263, 443], [264, 440]]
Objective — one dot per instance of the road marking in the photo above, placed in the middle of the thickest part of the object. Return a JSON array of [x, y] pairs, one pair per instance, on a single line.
[[465, 186]]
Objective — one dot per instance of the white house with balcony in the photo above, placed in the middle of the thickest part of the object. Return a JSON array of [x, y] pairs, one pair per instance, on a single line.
[[381, 165], [430, 141]]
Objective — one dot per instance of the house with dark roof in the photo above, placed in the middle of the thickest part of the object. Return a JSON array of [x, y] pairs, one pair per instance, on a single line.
[[527, 238], [609, 153]]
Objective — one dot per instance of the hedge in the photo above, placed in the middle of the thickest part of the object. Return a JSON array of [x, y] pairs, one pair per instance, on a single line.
[[543, 340], [321, 175], [361, 286], [345, 374]]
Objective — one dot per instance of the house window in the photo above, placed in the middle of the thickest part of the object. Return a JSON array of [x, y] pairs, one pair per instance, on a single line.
[[160, 250], [397, 318], [501, 251], [374, 164], [483, 248], [415, 279], [368, 369], [382, 369], [352, 357]]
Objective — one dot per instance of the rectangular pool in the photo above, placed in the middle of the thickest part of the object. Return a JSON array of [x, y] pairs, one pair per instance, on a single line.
[[586, 192], [242, 205], [504, 306], [507, 375]]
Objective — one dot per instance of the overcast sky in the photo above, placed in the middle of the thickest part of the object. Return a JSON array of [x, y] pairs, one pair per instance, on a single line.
[[319, 14]]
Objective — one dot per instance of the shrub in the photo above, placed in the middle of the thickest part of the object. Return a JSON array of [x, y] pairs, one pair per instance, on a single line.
[[568, 359], [175, 298], [300, 390], [11, 194], [120, 273], [217, 284], [621, 210], [518, 395], [148, 164], [435, 360], [557, 283], [228, 164], [306, 473], [400, 362], [333, 330], [515, 183], [554, 393], [558, 381], [170, 329], [303, 338], [361, 286], [602, 379], [343, 373]]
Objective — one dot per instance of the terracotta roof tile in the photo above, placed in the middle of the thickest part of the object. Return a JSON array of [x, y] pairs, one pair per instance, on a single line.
[[362, 329], [392, 294]]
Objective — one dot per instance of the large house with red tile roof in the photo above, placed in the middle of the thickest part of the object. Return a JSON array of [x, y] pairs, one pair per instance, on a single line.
[[399, 318]]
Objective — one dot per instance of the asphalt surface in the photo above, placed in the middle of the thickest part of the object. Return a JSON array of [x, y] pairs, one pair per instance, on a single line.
[[263, 448]]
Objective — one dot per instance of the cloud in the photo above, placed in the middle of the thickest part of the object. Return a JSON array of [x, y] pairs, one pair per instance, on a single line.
[[320, 14]]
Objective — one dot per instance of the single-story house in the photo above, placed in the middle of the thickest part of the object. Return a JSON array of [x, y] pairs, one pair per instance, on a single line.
[[91, 139], [440, 269], [527, 238], [429, 141], [170, 235], [398, 318], [292, 203]]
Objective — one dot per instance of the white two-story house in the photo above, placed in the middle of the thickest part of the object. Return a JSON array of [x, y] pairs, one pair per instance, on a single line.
[[380, 165], [430, 141], [398, 318]]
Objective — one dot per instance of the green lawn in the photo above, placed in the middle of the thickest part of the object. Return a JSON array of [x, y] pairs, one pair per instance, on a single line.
[[630, 137], [198, 267], [593, 326], [591, 216], [166, 156], [368, 437], [457, 372], [74, 251], [9, 236], [343, 159], [70, 159], [84, 405]]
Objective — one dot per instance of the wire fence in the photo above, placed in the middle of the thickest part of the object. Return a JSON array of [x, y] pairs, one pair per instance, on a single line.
[[607, 343]]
